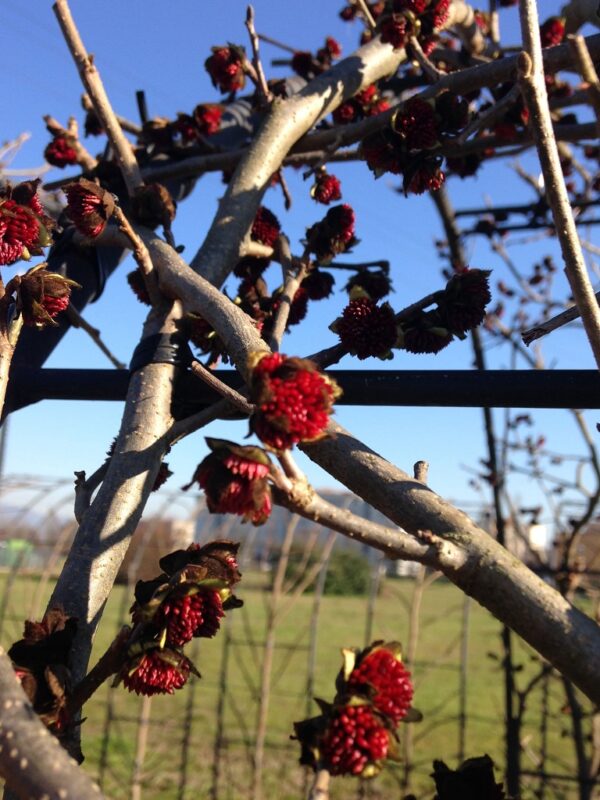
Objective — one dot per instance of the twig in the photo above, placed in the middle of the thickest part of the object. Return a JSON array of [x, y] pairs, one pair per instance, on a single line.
[[108, 664], [366, 12], [292, 280], [587, 70], [421, 469], [90, 78], [531, 76], [234, 398], [269, 39], [487, 118], [262, 88], [9, 335], [320, 788], [141, 255], [85, 488], [429, 68], [77, 321], [126, 124], [285, 189]]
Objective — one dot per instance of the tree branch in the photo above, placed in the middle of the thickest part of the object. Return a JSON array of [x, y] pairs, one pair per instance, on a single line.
[[531, 77]]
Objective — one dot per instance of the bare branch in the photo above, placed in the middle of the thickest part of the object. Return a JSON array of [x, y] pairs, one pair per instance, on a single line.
[[531, 72], [90, 78]]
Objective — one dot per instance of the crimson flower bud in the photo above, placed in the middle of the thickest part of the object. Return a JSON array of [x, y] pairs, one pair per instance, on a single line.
[[235, 481], [89, 206], [225, 67], [293, 400], [61, 151]]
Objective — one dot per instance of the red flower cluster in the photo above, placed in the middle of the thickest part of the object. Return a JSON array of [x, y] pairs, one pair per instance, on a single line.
[[318, 284], [265, 228], [354, 740], [466, 295], [187, 600], [207, 117], [417, 127], [552, 31], [356, 734], [333, 235], [426, 333], [367, 103], [308, 66], [293, 400], [61, 151], [24, 228], [235, 481], [366, 329], [188, 615], [156, 672], [383, 671], [226, 68], [376, 283], [42, 295], [416, 124], [326, 188], [405, 18], [89, 206]]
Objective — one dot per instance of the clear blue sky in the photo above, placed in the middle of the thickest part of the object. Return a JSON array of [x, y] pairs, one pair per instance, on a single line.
[[161, 47]]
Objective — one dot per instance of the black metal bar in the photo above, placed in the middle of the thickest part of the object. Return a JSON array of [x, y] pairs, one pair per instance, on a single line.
[[459, 388]]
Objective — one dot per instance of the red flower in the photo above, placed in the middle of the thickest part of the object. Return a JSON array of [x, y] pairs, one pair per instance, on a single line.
[[453, 112], [416, 124], [186, 128], [326, 188], [426, 176], [395, 30], [162, 476], [383, 671], [293, 401], [265, 228], [41, 295], [305, 65], [416, 6], [156, 672], [331, 51], [384, 151], [207, 117], [89, 206], [346, 112], [19, 231], [355, 740], [318, 284], [61, 151], [225, 68], [376, 283], [425, 334], [188, 615], [333, 235], [234, 479], [552, 31], [439, 13], [465, 297], [366, 329]]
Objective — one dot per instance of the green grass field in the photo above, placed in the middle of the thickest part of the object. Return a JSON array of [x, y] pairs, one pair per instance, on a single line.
[[183, 731]]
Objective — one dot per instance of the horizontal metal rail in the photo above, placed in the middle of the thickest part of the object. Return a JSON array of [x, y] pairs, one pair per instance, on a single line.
[[457, 388]]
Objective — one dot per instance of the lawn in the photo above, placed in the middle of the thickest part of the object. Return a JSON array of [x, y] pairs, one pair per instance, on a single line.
[[200, 743]]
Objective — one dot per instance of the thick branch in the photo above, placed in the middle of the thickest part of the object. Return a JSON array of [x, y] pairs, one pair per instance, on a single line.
[[471, 558], [32, 762], [108, 525]]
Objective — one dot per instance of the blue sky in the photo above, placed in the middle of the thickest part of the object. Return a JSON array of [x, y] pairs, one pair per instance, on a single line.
[[161, 47]]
